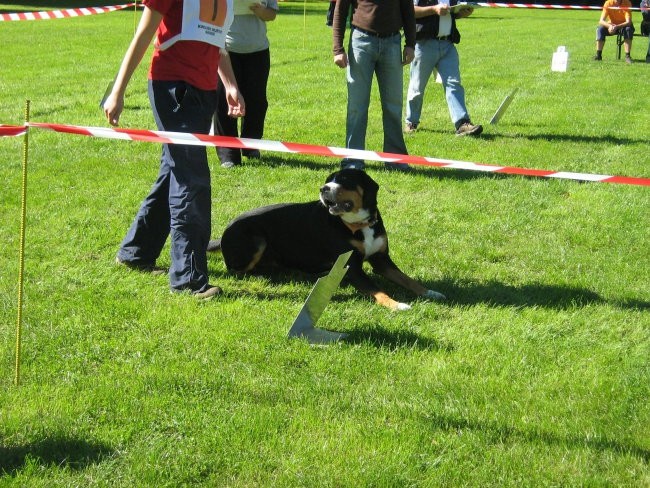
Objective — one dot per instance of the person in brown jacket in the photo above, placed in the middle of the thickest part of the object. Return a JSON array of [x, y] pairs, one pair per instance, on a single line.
[[375, 47]]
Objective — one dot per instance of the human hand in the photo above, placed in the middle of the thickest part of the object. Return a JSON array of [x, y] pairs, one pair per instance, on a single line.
[[407, 55], [441, 9], [236, 104], [113, 107], [612, 28], [262, 12], [341, 60]]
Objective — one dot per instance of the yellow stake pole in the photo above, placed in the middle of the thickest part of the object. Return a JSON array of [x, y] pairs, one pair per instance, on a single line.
[[23, 210]]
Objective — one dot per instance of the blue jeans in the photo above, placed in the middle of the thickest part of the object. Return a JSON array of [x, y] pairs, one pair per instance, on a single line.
[[368, 55], [179, 203], [441, 55]]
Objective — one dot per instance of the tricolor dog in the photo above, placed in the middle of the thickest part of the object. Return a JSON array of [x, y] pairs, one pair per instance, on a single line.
[[310, 237]]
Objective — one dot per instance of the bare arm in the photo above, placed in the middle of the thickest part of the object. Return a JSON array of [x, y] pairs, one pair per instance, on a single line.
[[114, 103], [236, 105], [439, 9]]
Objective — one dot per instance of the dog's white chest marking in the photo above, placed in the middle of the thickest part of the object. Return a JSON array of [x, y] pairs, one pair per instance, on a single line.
[[372, 244]]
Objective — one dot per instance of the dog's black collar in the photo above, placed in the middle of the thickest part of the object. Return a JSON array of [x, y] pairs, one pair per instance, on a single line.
[[355, 226]]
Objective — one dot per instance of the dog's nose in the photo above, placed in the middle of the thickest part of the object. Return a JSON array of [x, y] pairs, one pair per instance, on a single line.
[[326, 195]]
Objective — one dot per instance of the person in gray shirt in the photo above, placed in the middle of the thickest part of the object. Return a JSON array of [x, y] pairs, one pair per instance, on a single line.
[[247, 45]]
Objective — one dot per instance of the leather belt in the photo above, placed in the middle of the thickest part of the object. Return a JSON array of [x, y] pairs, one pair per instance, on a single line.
[[443, 38], [375, 34]]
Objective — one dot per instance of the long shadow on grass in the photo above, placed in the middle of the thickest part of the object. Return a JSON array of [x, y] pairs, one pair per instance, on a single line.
[[606, 139], [503, 433], [535, 294], [388, 339], [460, 292], [61, 452]]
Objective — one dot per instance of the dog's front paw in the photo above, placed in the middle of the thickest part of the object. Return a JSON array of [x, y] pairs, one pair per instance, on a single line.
[[402, 306], [434, 295]]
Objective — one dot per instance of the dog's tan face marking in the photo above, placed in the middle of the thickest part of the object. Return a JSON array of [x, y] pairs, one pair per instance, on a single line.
[[348, 204]]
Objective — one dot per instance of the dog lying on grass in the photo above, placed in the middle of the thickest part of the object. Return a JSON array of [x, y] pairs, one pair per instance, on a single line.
[[309, 237]]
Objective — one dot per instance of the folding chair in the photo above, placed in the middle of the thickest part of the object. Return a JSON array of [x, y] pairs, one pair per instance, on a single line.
[[619, 43]]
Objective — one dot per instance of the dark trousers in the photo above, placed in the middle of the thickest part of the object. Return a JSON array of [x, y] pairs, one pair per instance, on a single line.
[[252, 74], [179, 204], [602, 32]]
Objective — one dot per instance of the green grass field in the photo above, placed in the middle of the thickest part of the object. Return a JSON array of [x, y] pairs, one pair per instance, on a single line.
[[534, 372]]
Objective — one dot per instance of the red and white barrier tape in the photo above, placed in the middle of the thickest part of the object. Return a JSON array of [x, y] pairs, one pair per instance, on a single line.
[[12, 130], [542, 7], [62, 14], [297, 148]]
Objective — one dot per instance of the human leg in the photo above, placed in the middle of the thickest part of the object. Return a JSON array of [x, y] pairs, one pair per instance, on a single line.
[[389, 71], [183, 108], [449, 69], [628, 35], [149, 230], [255, 69], [601, 35], [362, 56], [425, 61]]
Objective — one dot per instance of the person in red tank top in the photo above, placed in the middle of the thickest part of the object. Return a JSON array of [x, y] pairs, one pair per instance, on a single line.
[[183, 77]]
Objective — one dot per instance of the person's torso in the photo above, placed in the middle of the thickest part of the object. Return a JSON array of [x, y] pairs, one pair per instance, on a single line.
[[380, 16], [247, 34], [615, 13], [434, 26], [193, 61]]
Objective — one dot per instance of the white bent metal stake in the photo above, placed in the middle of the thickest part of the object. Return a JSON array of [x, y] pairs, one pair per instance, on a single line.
[[503, 107], [316, 302]]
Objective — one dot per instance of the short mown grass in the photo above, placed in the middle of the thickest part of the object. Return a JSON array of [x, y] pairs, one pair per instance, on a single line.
[[534, 372]]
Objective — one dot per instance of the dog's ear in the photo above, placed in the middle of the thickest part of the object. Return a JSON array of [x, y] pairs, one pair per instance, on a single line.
[[371, 188]]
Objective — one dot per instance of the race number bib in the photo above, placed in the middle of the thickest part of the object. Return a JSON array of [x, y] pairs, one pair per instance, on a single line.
[[204, 21]]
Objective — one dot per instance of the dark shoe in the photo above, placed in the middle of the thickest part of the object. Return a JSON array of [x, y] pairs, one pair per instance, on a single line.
[[469, 129], [647, 59], [209, 293], [403, 167], [353, 164], [251, 153], [410, 128], [598, 57], [142, 267], [628, 60]]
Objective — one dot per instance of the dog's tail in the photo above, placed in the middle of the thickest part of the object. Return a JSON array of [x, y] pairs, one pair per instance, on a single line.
[[214, 246]]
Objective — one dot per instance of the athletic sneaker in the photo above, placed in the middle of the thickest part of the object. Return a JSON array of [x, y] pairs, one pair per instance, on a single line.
[[598, 57], [410, 127], [469, 129], [628, 59], [209, 293]]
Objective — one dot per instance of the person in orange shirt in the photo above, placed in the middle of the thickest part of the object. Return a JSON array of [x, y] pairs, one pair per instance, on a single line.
[[615, 18]]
